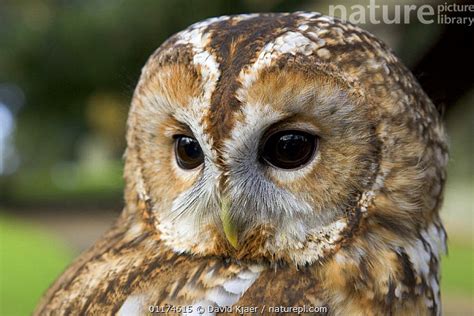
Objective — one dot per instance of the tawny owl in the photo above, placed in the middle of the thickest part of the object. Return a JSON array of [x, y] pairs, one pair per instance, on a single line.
[[275, 163]]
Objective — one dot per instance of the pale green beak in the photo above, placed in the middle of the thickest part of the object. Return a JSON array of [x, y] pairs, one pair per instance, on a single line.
[[230, 230]]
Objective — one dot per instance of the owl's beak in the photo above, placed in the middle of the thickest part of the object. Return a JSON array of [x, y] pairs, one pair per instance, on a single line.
[[230, 230]]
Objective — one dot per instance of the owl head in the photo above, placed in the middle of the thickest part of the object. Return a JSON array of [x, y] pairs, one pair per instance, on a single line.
[[280, 138]]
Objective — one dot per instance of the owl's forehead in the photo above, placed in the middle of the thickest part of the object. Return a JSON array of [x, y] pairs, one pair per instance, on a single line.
[[210, 67]]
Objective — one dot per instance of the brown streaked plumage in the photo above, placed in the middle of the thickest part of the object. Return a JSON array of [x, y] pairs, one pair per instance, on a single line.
[[355, 228]]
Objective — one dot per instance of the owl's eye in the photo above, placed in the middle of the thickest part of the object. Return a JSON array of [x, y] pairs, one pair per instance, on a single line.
[[188, 152], [289, 149]]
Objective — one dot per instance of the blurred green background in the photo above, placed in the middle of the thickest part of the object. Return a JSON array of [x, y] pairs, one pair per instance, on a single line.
[[67, 73]]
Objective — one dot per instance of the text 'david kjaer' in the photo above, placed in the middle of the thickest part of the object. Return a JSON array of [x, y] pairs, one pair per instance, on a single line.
[[237, 309]]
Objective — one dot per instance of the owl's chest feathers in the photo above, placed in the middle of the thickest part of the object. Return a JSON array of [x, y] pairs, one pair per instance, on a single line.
[[363, 277], [130, 271]]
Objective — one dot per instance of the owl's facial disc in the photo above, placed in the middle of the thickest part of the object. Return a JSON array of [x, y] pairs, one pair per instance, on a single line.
[[264, 154], [278, 185]]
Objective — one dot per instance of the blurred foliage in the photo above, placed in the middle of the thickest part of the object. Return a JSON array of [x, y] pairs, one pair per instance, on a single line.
[[71, 67], [69, 181]]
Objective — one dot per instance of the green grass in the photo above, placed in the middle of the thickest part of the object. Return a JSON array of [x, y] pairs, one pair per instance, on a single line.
[[30, 260], [457, 269]]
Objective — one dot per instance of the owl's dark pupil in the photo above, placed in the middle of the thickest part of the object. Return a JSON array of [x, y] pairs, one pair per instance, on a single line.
[[188, 152], [292, 147], [191, 148], [289, 149]]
